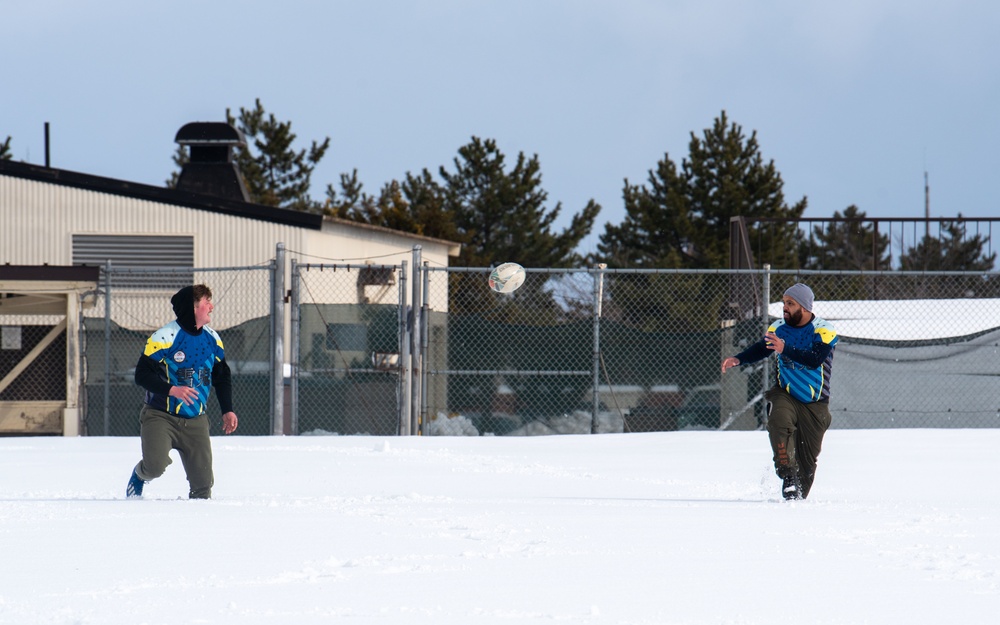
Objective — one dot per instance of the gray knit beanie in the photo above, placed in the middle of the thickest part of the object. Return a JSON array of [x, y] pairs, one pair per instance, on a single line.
[[801, 294]]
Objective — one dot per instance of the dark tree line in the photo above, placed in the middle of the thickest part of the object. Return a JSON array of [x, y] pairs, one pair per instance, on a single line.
[[497, 212]]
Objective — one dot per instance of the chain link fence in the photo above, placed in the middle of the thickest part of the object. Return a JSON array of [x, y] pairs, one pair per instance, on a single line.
[[132, 304], [577, 351], [632, 350], [917, 349], [571, 351], [348, 324], [510, 364]]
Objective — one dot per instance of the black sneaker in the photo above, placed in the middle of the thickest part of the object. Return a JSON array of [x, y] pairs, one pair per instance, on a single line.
[[134, 488], [807, 482], [791, 487]]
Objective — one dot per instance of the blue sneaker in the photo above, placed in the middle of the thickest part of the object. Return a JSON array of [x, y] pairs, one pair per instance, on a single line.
[[134, 488]]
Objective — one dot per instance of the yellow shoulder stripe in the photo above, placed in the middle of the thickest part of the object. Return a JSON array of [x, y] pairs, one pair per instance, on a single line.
[[826, 334], [154, 346]]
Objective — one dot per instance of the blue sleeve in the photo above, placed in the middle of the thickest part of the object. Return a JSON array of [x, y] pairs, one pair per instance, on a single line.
[[812, 357], [757, 351]]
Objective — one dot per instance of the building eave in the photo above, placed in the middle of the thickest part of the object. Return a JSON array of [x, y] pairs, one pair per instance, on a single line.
[[162, 195], [454, 248]]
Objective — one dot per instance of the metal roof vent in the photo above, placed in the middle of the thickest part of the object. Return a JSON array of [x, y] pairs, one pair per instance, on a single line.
[[211, 169]]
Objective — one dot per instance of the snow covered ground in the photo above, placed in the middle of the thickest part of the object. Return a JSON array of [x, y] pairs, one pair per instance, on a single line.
[[687, 528]]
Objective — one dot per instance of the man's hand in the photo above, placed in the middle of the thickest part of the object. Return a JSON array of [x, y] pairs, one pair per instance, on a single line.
[[772, 342], [186, 394], [229, 422], [729, 363]]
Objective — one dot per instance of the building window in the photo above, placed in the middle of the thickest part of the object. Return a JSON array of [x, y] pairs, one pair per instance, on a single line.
[[146, 262]]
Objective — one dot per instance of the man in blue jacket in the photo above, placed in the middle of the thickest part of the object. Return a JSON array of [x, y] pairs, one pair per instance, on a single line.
[[798, 405], [180, 364]]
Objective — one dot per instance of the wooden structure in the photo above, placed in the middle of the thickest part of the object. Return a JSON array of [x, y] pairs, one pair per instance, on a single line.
[[40, 362]]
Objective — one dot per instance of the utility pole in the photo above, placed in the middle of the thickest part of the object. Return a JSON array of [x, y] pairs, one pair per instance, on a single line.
[[927, 205]]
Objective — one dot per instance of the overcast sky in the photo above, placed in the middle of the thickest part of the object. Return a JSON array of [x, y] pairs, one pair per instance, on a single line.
[[853, 100]]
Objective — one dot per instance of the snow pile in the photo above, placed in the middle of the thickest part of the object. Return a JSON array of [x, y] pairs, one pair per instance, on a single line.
[[451, 425]]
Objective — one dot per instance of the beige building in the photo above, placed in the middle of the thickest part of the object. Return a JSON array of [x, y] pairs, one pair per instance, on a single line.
[[62, 218]]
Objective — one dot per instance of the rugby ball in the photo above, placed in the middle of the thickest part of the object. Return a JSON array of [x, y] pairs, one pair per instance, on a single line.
[[507, 278]]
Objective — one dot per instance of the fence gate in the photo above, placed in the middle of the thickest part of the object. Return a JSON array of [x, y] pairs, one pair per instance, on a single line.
[[349, 349]]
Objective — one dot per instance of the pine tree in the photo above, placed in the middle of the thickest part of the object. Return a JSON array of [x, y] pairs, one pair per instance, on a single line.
[[952, 250], [502, 213], [415, 205], [846, 243], [656, 230], [180, 159], [498, 215], [430, 215], [681, 219], [726, 177], [5, 154], [501, 216], [351, 202], [275, 174]]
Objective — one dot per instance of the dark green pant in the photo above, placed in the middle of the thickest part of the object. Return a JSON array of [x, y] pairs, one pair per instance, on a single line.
[[796, 431], [160, 432]]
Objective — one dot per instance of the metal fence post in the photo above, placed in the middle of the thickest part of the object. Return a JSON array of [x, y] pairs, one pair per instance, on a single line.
[[278, 342], [416, 427], [598, 297], [107, 348], [294, 348], [766, 317], [424, 341], [404, 404]]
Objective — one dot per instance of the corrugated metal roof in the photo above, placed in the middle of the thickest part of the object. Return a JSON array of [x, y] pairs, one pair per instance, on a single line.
[[162, 195]]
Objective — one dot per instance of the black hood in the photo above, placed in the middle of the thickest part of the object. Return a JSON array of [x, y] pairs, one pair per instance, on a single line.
[[183, 303]]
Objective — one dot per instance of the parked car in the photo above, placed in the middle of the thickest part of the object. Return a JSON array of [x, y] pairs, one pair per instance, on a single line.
[[701, 408]]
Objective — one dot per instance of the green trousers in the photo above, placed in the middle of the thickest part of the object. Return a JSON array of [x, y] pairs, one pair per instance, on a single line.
[[160, 432], [796, 431]]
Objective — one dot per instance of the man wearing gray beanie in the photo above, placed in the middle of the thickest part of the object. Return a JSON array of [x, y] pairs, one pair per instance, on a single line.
[[798, 404]]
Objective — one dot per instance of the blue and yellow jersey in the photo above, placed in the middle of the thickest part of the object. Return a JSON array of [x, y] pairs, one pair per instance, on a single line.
[[804, 382], [184, 359]]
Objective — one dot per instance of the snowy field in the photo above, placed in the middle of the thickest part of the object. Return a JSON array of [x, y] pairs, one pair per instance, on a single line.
[[687, 528]]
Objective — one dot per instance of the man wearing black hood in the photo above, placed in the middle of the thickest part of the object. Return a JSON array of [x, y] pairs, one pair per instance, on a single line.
[[180, 364]]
